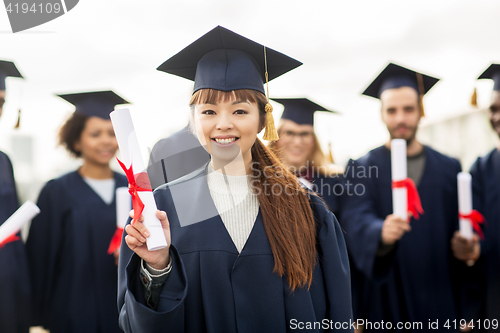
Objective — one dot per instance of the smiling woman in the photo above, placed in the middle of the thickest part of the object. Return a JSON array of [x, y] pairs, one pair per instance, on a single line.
[[251, 250], [227, 123], [70, 238]]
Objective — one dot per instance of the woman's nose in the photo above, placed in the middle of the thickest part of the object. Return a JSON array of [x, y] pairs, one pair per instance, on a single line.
[[108, 139], [224, 123]]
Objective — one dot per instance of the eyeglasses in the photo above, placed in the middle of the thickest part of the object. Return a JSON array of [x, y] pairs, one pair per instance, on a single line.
[[303, 136]]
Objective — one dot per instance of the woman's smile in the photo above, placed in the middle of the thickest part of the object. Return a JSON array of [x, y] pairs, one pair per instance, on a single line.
[[230, 126], [225, 141]]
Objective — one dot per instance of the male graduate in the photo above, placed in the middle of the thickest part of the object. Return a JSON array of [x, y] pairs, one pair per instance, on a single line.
[[175, 156], [486, 199], [14, 278], [408, 269], [299, 149]]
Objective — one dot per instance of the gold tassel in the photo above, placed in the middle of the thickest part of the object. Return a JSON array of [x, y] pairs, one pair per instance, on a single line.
[[18, 124], [329, 157], [473, 99], [421, 102], [270, 134], [421, 91]]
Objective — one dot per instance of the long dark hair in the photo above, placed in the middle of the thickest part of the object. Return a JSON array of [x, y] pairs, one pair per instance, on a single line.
[[287, 215]]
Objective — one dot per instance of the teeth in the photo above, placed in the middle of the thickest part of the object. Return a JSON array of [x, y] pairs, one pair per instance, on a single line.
[[225, 141]]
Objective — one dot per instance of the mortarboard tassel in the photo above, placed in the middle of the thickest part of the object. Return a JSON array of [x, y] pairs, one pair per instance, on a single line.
[[473, 99], [421, 92], [329, 157], [270, 134], [421, 102], [18, 124]]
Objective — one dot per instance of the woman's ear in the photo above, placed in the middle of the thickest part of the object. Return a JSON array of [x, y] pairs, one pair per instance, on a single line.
[[77, 146]]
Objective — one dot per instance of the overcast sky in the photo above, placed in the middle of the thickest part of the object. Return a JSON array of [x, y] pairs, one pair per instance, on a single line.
[[117, 44]]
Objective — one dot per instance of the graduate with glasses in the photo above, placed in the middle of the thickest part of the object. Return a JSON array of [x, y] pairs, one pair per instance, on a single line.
[[300, 150], [242, 258]]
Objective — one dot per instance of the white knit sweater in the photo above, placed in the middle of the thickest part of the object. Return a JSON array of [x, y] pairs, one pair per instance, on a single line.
[[237, 205]]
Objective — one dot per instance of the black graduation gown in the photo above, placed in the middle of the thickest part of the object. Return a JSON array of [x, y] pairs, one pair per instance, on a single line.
[[14, 275], [74, 280], [213, 288], [420, 279], [330, 190], [486, 190], [174, 157]]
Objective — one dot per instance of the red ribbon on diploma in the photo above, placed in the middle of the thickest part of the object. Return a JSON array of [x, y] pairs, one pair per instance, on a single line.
[[9, 239], [476, 219], [136, 183], [414, 204], [116, 241]]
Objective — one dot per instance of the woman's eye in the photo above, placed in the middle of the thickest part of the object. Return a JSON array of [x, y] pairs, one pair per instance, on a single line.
[[240, 112], [208, 112]]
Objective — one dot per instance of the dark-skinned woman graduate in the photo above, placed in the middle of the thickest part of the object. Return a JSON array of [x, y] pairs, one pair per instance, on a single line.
[[251, 250], [300, 150], [74, 279], [14, 277]]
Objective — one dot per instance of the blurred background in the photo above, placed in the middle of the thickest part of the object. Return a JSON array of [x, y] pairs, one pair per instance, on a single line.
[[117, 44]]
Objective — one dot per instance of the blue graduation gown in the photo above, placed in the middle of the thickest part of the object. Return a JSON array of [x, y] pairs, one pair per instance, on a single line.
[[213, 288], [14, 275], [420, 279], [74, 280], [174, 157], [486, 190]]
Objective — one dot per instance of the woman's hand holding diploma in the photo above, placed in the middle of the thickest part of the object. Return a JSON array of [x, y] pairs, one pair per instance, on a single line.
[[136, 241]]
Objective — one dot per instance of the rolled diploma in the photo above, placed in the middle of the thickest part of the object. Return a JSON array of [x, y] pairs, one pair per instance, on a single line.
[[464, 181], [123, 206], [16, 221], [131, 153], [398, 167]]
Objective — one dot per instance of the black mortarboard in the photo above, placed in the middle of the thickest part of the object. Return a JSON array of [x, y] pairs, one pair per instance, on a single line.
[[300, 110], [94, 103], [493, 72], [395, 76], [224, 60], [7, 68]]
